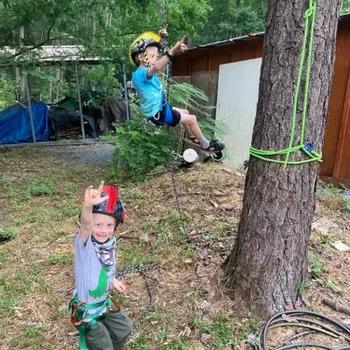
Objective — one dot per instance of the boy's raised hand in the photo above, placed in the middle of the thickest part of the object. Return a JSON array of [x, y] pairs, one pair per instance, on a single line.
[[93, 196], [179, 47]]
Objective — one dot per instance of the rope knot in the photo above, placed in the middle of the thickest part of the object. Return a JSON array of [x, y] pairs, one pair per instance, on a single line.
[[311, 10]]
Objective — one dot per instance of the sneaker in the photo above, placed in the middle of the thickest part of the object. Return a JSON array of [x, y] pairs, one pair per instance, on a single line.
[[215, 146]]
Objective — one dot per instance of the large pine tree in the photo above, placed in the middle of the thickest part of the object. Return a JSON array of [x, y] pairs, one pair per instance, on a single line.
[[269, 260]]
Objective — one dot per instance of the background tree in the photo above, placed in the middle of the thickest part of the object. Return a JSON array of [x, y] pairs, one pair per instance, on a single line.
[[269, 260], [106, 26], [231, 18], [346, 7]]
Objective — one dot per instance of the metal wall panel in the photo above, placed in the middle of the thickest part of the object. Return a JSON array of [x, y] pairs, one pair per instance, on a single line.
[[238, 91]]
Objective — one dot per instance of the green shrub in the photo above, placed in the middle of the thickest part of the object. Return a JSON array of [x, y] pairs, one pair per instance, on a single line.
[[7, 233], [40, 187], [142, 147]]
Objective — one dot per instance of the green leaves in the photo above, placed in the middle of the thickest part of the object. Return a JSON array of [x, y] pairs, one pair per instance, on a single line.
[[106, 27], [7, 91], [345, 7], [140, 148], [232, 18]]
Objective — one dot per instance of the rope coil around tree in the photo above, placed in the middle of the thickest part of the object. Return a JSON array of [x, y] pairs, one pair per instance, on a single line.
[[306, 324], [306, 147]]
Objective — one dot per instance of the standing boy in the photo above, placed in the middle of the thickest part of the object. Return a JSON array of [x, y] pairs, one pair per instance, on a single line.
[[101, 324]]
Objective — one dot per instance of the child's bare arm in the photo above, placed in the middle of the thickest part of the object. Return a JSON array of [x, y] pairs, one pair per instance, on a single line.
[[179, 47], [91, 197]]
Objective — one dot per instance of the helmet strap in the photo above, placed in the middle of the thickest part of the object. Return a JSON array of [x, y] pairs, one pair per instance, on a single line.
[[144, 59]]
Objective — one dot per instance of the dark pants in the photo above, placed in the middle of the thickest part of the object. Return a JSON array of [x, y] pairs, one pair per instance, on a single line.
[[110, 333]]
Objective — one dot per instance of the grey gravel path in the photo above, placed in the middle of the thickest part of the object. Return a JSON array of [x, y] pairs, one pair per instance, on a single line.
[[94, 154]]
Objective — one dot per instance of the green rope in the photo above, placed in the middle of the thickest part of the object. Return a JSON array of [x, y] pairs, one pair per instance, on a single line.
[[306, 147]]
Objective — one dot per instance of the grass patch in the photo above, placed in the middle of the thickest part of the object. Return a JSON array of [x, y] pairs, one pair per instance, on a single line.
[[7, 233], [324, 239], [315, 266], [71, 187], [32, 336], [219, 329], [136, 254], [3, 256], [176, 344], [347, 204], [42, 197], [57, 258], [16, 285], [139, 344], [40, 187], [70, 210], [316, 270], [244, 328]]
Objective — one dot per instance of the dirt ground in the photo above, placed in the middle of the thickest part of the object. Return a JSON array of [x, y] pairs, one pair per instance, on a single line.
[[182, 304]]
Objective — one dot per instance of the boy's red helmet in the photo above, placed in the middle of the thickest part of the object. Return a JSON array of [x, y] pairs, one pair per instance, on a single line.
[[140, 44], [113, 206]]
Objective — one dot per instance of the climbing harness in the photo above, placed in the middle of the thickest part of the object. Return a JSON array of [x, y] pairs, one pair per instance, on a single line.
[[306, 147], [85, 321]]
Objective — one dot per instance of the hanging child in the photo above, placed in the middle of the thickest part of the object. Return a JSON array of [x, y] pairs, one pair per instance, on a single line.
[[145, 54]]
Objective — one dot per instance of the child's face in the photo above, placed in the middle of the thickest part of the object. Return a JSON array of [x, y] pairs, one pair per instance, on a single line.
[[152, 54], [103, 227]]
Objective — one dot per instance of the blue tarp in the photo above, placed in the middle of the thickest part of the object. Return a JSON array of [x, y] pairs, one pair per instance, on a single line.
[[15, 124]]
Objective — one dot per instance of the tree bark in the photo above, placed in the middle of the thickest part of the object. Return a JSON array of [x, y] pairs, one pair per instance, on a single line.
[[269, 259]]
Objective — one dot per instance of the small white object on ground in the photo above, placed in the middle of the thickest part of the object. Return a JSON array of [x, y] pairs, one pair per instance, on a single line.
[[340, 246], [190, 155], [324, 226]]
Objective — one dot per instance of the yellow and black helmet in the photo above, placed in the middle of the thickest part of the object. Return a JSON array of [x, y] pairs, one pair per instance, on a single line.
[[140, 44]]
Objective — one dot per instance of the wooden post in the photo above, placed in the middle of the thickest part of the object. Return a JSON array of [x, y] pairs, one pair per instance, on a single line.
[[79, 100], [29, 107], [50, 89], [58, 78], [126, 97]]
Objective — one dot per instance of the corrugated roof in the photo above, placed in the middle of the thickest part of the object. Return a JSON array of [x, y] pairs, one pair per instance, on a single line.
[[231, 40], [51, 53]]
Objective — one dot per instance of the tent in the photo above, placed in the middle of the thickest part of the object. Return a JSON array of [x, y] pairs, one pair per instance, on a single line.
[[15, 125]]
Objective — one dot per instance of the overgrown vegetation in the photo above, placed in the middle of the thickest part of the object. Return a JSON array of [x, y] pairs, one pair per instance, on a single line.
[[345, 7], [7, 90]]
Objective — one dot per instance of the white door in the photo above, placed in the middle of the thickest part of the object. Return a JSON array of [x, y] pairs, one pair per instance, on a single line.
[[238, 90]]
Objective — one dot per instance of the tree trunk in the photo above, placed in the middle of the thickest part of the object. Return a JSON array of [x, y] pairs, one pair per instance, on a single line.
[[269, 260]]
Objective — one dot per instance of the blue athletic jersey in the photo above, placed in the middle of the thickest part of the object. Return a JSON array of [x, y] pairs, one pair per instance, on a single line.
[[149, 90]]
